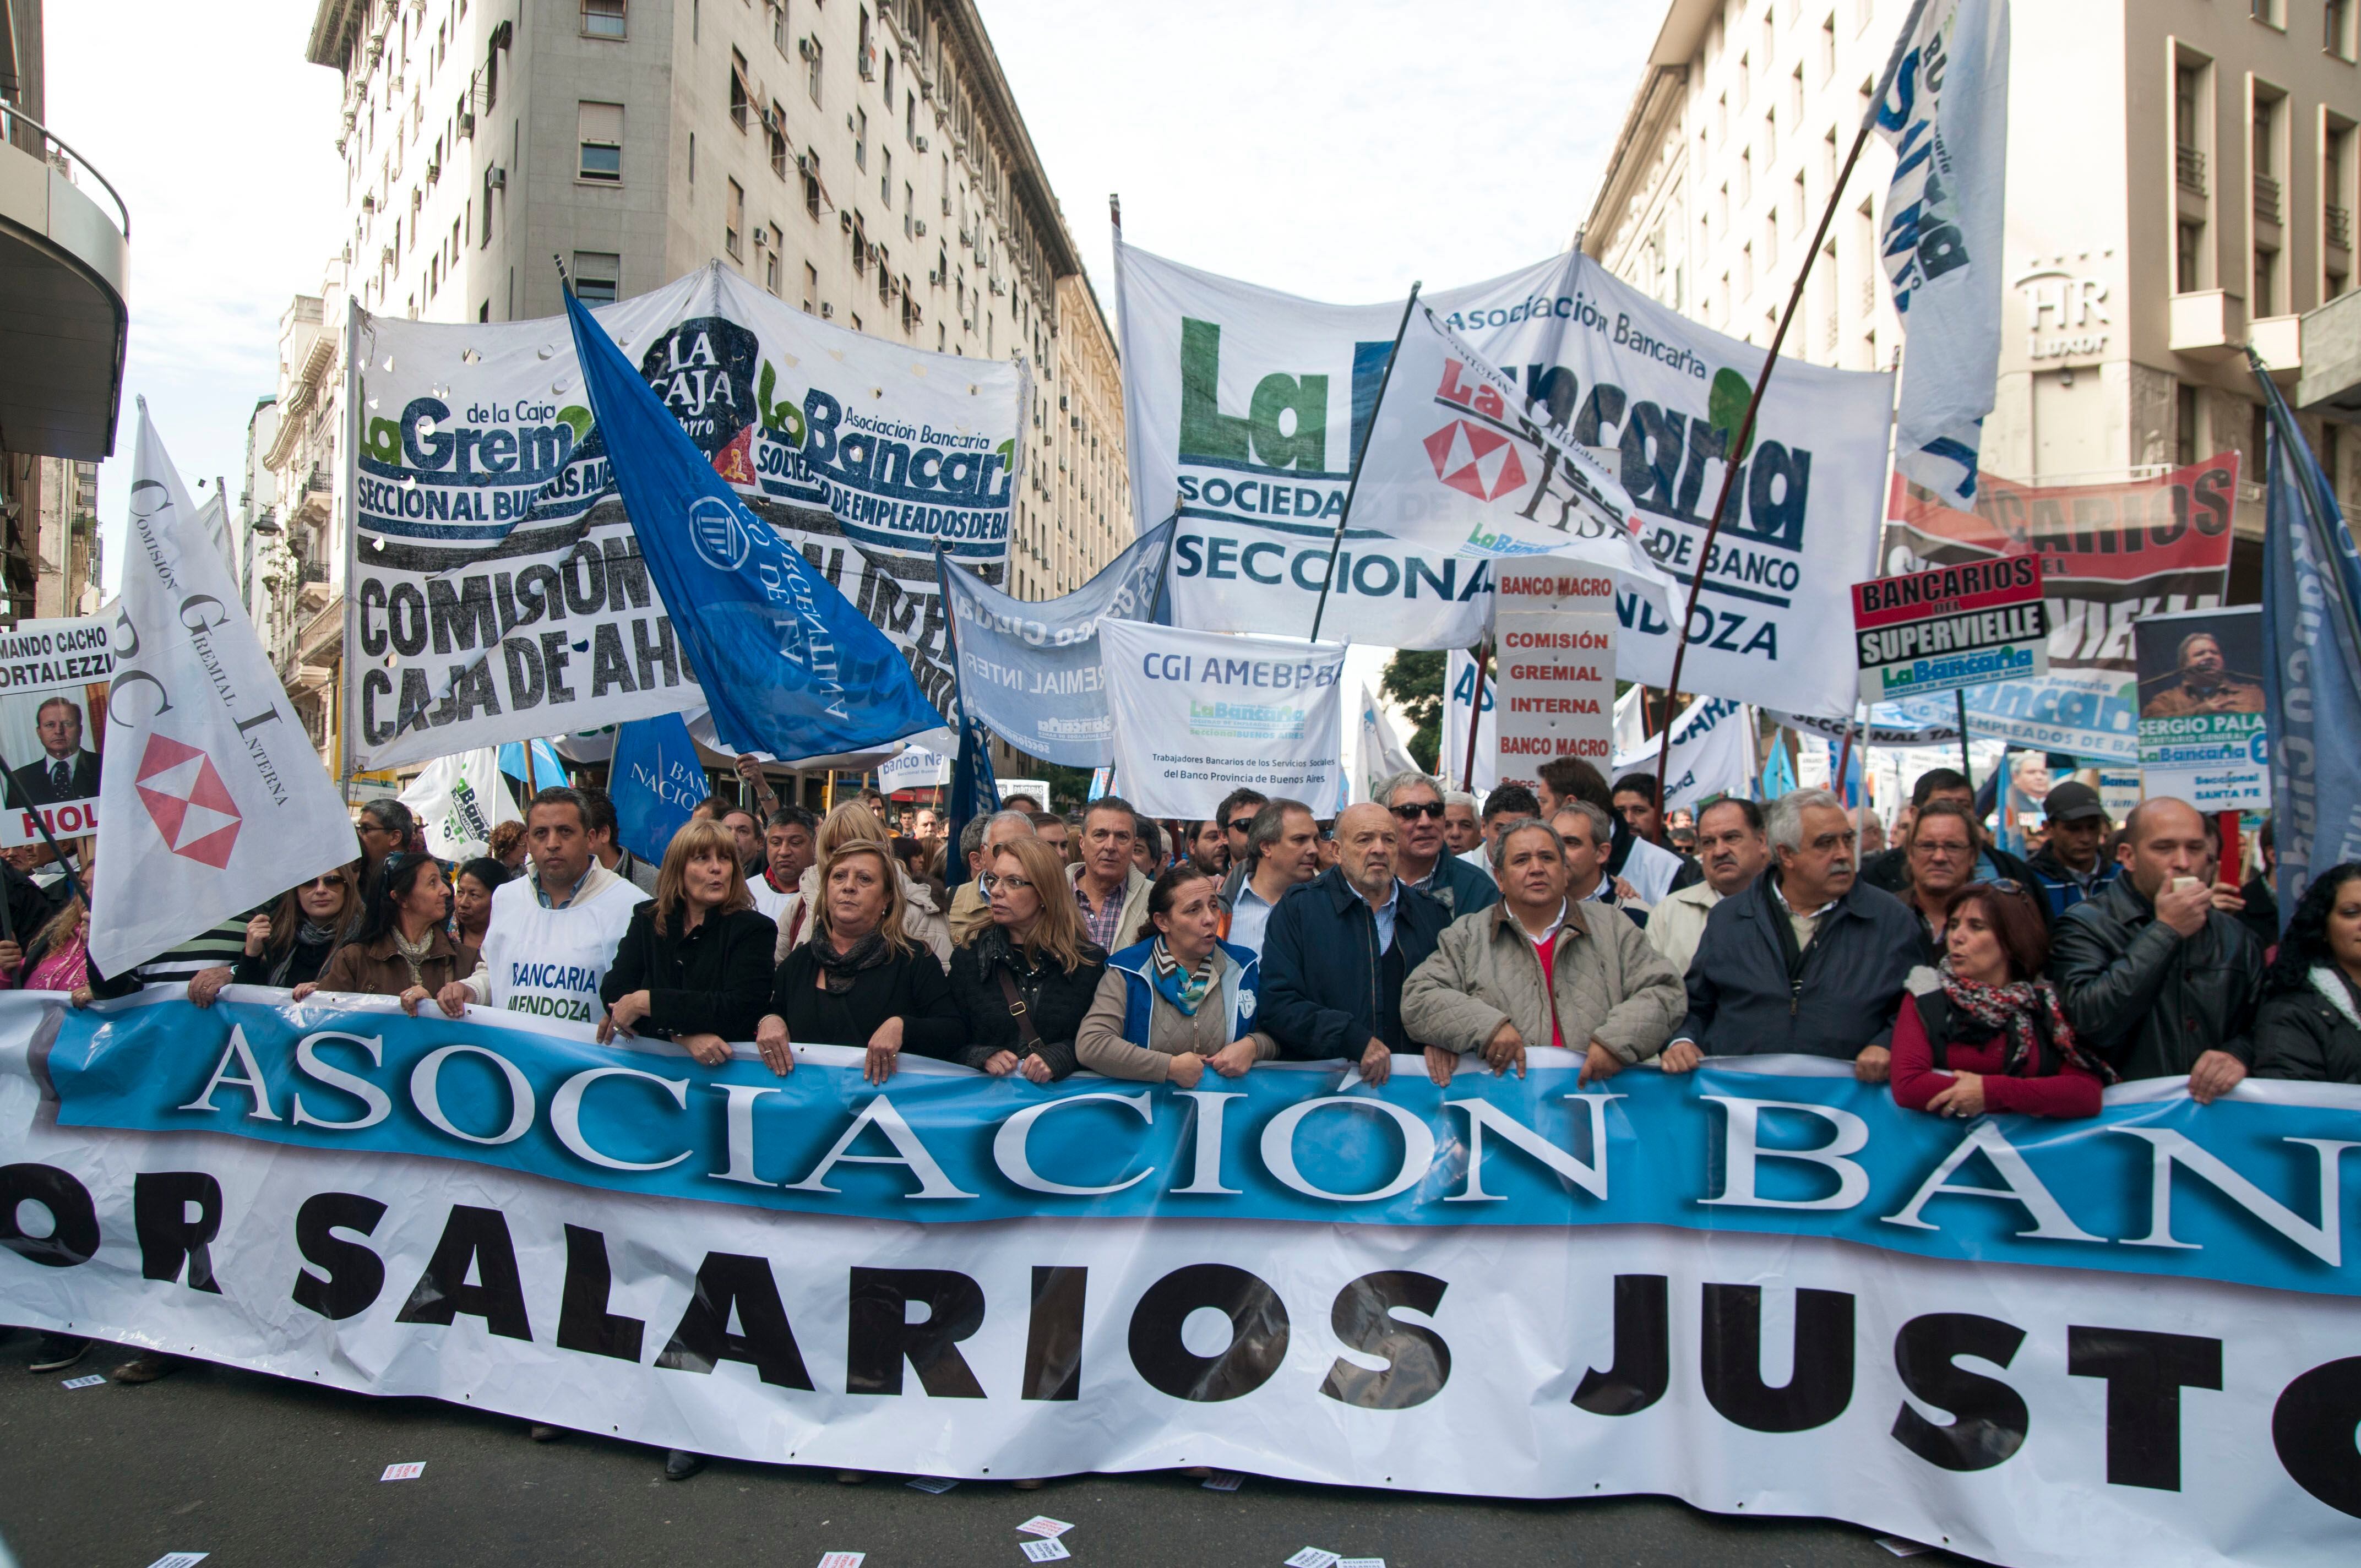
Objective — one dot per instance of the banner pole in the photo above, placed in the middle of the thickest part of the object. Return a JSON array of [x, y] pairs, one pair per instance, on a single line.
[[1354, 482], [1734, 452], [1475, 722], [1967, 763], [41, 822]]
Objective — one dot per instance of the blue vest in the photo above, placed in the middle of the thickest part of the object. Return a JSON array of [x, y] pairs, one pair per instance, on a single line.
[[1241, 979]]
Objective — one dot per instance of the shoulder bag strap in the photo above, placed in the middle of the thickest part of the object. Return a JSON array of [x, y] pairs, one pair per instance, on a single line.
[[1027, 1029]]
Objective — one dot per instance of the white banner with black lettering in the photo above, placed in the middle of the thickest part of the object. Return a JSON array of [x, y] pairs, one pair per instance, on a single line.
[[1198, 714]]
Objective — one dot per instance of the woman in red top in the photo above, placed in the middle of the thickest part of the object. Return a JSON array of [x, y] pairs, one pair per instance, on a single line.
[[1984, 1032]]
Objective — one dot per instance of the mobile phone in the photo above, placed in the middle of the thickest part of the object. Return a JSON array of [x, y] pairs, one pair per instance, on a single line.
[[2180, 882]]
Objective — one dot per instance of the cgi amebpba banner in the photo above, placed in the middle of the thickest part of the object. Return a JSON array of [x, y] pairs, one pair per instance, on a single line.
[[1761, 1288], [495, 587], [1243, 406]]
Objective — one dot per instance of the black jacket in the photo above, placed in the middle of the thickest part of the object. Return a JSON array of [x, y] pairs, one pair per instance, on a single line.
[[2305, 1034], [2144, 998], [1752, 993], [715, 980], [2261, 915], [1054, 998], [1326, 991], [310, 959], [909, 986]]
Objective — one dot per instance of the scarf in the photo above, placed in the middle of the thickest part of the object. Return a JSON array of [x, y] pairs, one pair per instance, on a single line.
[[310, 934], [2010, 1008], [414, 955], [1184, 991], [2336, 991], [838, 971]]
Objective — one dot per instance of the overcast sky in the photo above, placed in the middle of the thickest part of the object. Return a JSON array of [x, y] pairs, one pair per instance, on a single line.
[[1336, 150]]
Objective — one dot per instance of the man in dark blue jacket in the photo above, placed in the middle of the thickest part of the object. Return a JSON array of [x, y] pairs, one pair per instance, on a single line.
[[1806, 960], [1339, 948]]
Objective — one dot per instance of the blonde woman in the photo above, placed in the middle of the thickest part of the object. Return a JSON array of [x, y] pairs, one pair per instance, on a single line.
[[292, 945], [922, 917], [861, 979], [1024, 978], [693, 967], [57, 958]]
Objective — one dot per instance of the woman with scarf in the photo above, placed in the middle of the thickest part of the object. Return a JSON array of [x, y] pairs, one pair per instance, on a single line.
[[290, 946], [1178, 999], [923, 921], [1024, 978], [1983, 1031], [401, 949], [2310, 1025], [863, 979]]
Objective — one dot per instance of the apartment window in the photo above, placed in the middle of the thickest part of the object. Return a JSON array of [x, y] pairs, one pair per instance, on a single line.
[[910, 118], [2336, 210], [811, 289], [776, 130], [771, 263], [2189, 128], [1746, 177], [2336, 28], [1828, 49], [1745, 74], [2265, 300], [1721, 118], [741, 102], [1829, 160], [1795, 206], [597, 276], [1795, 93], [867, 61], [861, 139], [601, 134], [1770, 135], [603, 19], [779, 28], [812, 53], [2188, 274], [488, 187], [885, 177], [1770, 242], [860, 248], [733, 219], [909, 212], [2184, 424], [2270, 13], [889, 82], [811, 186]]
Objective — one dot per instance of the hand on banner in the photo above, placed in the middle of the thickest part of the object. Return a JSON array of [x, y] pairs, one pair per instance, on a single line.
[[883, 1047], [1964, 1098], [410, 998], [304, 990], [1232, 1059], [2216, 1074], [1185, 1070], [1873, 1065], [771, 1039], [1599, 1065], [1035, 1069], [1001, 1064], [453, 999], [1377, 1063], [710, 1050], [2184, 905], [79, 997], [1505, 1050], [1681, 1056], [206, 983], [627, 1010], [257, 936], [1440, 1065]]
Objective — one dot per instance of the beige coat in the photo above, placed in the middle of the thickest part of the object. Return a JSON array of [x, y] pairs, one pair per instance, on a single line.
[[1676, 926], [1099, 1043], [1610, 985], [1135, 907], [922, 921]]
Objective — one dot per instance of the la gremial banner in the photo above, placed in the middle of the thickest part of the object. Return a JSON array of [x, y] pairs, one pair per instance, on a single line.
[[494, 588]]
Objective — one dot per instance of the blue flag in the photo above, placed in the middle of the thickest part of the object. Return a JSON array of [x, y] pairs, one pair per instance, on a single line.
[[655, 781], [2311, 662], [789, 667], [1778, 773], [975, 793], [537, 767]]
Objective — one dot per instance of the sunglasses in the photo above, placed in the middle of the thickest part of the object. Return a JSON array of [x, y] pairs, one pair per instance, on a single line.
[[1241, 824], [1428, 808]]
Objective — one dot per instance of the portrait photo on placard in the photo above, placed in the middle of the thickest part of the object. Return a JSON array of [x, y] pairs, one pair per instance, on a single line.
[[52, 743], [2207, 661]]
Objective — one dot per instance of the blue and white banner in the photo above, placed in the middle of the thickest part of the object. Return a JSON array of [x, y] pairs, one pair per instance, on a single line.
[[1761, 1288], [1198, 714], [1944, 106], [1713, 753], [655, 779], [1029, 668], [1459, 691]]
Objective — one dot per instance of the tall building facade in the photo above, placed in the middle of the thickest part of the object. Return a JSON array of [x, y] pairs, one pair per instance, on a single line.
[[2181, 184]]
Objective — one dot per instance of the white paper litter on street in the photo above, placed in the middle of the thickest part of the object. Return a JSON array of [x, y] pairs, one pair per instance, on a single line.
[[179, 1560], [93, 1381], [1313, 1557], [1045, 1550], [938, 1485], [1901, 1548], [1042, 1524], [842, 1559], [1223, 1481], [409, 1471]]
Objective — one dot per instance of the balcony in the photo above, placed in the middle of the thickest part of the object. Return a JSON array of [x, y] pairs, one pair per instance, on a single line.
[[2188, 169], [2277, 341], [2337, 223], [2208, 324], [2330, 382], [65, 268], [2266, 200]]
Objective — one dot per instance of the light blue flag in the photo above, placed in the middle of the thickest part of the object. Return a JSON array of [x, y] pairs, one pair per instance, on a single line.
[[538, 768], [1778, 773], [789, 667], [2311, 662], [655, 781]]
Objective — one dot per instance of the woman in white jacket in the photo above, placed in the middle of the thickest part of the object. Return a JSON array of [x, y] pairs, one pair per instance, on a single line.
[[922, 918]]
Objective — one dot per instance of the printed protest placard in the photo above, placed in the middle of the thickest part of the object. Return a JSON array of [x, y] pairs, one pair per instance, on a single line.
[[54, 676], [1198, 714], [1952, 627], [1556, 690], [2202, 734]]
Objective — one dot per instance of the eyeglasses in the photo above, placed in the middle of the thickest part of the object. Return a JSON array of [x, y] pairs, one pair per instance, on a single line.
[[991, 883], [2004, 884], [1411, 812]]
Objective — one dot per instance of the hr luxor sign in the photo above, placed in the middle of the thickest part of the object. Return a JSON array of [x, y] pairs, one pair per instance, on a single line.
[[1953, 627], [1553, 624]]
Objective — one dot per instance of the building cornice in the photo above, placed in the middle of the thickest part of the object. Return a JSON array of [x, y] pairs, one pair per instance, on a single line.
[[333, 27], [991, 91]]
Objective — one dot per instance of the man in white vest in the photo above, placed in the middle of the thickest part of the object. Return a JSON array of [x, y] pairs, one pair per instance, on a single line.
[[553, 931]]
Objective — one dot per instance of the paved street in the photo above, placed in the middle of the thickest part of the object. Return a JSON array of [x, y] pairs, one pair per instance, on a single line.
[[261, 1474]]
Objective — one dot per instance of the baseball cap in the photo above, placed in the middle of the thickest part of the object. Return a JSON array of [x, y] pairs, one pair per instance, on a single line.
[[2072, 802]]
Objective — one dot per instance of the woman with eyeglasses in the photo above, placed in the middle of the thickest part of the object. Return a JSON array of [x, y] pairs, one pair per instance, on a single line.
[[693, 967], [863, 979], [291, 945], [1179, 999], [1024, 978], [471, 899], [402, 948], [1984, 1032]]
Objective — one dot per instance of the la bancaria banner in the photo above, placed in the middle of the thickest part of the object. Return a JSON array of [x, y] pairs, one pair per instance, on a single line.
[[1245, 405], [494, 588], [2110, 555], [1198, 714], [1763, 1288]]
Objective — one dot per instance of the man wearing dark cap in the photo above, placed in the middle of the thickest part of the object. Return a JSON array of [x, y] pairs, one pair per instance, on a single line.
[[2069, 866]]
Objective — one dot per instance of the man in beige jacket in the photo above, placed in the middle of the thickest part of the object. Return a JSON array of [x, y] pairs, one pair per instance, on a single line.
[[1538, 969], [1733, 851]]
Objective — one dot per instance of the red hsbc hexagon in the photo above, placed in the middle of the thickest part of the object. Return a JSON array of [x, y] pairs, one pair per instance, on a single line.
[[189, 803], [1471, 458]]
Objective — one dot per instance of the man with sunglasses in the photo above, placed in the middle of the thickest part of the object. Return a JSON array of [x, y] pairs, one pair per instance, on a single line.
[[1421, 859]]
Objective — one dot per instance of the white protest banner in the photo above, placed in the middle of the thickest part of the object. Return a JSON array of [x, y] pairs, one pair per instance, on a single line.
[[216, 800], [1951, 626], [914, 767], [1033, 789], [495, 587], [1555, 625], [54, 676], [1762, 1287], [1381, 750], [1459, 690], [1243, 576], [2202, 734], [1198, 714], [1713, 753], [458, 800], [1243, 405]]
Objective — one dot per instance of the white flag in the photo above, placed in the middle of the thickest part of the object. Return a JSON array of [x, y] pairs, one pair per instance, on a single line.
[[1459, 691], [1945, 109], [1382, 752], [213, 797], [1713, 753], [459, 800], [1632, 720]]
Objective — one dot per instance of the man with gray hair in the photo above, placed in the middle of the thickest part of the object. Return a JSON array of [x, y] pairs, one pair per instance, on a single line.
[[981, 842], [1463, 830], [1806, 960], [1282, 851], [1420, 858], [1587, 837]]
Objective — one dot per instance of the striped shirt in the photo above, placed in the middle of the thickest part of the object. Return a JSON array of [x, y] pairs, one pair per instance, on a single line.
[[219, 947]]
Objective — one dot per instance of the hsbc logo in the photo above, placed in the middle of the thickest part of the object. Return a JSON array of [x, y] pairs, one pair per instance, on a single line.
[[188, 802], [1483, 462]]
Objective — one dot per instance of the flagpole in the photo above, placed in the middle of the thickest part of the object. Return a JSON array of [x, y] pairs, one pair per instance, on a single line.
[[1744, 433], [1354, 482], [1475, 723]]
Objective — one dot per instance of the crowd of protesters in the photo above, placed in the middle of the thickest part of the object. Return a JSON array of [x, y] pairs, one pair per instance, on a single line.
[[1418, 924]]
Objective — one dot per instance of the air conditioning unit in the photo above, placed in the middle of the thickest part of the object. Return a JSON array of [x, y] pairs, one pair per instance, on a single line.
[[947, 206], [1061, 402], [997, 289], [434, 172], [826, 309], [934, 279], [868, 64], [803, 163], [922, 144], [922, 228], [808, 47], [844, 220], [500, 179], [467, 124], [368, 203], [967, 324]]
